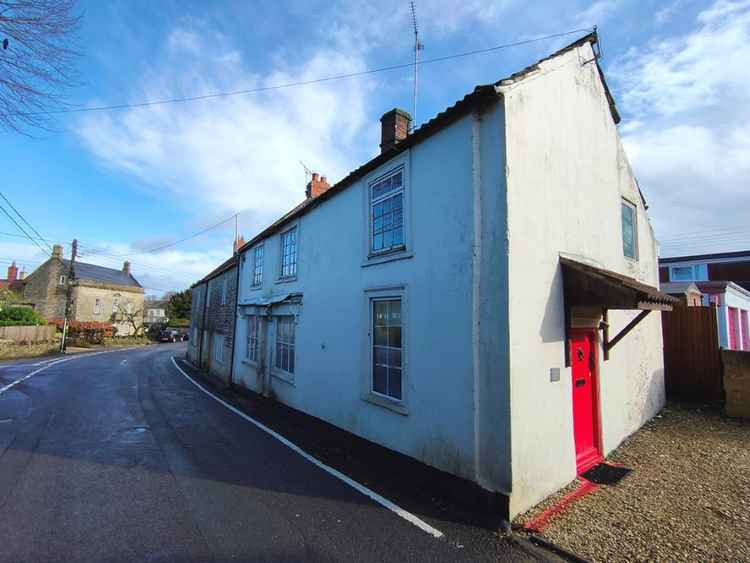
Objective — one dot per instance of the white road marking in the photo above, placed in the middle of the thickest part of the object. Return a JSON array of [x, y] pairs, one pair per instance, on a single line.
[[408, 516], [54, 362]]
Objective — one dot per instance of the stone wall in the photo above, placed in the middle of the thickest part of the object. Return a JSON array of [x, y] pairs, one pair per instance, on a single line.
[[736, 383], [84, 307], [42, 288]]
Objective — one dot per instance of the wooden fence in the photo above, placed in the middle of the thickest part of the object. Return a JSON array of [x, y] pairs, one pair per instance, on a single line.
[[28, 334], [692, 359]]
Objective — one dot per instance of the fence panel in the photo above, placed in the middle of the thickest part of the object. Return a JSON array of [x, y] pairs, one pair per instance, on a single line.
[[27, 334], [692, 359]]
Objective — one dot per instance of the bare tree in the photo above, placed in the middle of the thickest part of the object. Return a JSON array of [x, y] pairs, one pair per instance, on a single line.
[[36, 60], [131, 317]]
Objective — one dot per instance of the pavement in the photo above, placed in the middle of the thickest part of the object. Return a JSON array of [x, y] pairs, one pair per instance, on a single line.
[[116, 456]]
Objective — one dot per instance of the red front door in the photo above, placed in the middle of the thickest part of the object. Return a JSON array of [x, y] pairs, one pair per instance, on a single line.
[[585, 389]]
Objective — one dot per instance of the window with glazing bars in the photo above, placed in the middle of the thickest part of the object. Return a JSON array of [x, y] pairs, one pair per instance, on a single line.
[[386, 347], [387, 213], [289, 253], [285, 344], [253, 323], [629, 230], [258, 266]]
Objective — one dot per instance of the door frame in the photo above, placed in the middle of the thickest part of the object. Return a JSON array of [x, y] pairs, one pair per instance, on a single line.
[[596, 408]]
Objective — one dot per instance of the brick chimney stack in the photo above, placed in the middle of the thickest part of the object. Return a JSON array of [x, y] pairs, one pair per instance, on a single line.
[[239, 243], [316, 186], [126, 268], [12, 272], [394, 127], [57, 251]]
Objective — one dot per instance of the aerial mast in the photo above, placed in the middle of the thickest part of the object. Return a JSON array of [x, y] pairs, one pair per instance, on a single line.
[[417, 47]]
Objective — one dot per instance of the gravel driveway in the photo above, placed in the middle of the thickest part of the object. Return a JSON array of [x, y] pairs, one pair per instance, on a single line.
[[687, 498]]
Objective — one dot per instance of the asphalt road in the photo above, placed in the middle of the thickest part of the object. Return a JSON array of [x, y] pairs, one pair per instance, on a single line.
[[118, 457]]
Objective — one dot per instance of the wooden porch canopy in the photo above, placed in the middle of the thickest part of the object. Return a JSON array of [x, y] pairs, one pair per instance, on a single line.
[[585, 285]]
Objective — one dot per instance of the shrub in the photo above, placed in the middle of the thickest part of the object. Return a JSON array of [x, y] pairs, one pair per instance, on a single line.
[[89, 332], [20, 316]]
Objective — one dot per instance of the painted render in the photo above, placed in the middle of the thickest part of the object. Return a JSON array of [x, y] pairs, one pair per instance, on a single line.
[[491, 202]]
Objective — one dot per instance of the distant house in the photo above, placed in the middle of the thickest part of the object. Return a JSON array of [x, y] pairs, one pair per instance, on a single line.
[[476, 296], [721, 266], [732, 302], [154, 312], [98, 293], [213, 309]]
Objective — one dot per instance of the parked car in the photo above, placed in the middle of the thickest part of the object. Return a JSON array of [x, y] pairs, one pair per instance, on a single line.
[[171, 335]]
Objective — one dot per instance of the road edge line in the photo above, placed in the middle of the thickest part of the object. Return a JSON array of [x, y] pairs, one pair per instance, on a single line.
[[59, 361], [408, 516]]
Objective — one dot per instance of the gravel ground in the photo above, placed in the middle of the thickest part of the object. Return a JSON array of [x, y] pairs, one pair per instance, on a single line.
[[687, 498]]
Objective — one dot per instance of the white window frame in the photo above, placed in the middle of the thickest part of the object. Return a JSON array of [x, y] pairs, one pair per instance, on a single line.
[[282, 236], [634, 208], [217, 352], [114, 304], [61, 280], [372, 295], [252, 350], [97, 306], [696, 274], [277, 371], [256, 272]]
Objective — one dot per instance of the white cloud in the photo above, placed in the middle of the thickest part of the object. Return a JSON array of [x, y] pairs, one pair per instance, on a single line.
[[239, 152], [689, 99], [597, 13]]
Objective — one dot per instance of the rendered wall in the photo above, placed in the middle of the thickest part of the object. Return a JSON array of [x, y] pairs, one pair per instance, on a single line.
[[441, 426], [566, 175]]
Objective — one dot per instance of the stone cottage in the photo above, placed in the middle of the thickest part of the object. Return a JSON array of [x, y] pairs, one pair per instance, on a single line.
[[98, 294], [214, 304]]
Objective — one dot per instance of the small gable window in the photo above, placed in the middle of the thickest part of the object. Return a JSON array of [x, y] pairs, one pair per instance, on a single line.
[[629, 230]]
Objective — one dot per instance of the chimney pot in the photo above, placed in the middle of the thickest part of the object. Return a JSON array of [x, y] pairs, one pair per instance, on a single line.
[[126, 267], [394, 128], [316, 186], [12, 272], [239, 243], [57, 250]]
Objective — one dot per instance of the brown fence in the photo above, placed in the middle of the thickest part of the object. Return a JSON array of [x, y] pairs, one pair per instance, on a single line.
[[736, 382], [28, 334], [692, 359]]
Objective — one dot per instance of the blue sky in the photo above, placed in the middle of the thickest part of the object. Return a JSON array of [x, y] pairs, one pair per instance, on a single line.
[[128, 180]]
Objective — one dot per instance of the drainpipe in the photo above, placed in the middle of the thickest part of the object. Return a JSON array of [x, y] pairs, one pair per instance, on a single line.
[[203, 329], [235, 316]]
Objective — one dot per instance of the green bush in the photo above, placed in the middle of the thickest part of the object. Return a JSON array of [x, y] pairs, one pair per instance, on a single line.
[[20, 316]]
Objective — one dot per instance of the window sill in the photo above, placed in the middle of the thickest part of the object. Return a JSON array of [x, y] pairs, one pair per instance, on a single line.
[[283, 376], [287, 279], [256, 287], [374, 259], [250, 363], [386, 403]]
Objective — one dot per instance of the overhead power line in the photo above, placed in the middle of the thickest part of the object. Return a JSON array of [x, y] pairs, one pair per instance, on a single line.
[[332, 78], [20, 228], [25, 221]]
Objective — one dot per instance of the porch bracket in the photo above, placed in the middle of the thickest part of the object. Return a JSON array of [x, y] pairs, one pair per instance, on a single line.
[[609, 344]]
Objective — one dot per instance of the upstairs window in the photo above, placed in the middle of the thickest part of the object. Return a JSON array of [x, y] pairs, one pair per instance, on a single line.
[[289, 253], [257, 266], [97, 307], [115, 307], [629, 230], [697, 272], [387, 213], [61, 280]]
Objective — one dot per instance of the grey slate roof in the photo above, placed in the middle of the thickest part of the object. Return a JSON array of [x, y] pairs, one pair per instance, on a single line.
[[100, 274]]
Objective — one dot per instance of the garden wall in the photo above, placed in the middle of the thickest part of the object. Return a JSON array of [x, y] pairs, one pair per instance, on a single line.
[[28, 334]]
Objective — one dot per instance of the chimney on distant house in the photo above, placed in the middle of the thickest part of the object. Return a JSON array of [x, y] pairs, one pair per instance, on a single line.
[[12, 272], [316, 186], [126, 268], [394, 127], [238, 243], [22, 276], [57, 251]]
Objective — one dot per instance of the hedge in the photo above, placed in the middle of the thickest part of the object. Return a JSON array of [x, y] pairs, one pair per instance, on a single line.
[[20, 316]]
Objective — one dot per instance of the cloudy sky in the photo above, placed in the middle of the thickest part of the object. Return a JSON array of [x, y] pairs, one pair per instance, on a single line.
[[124, 182]]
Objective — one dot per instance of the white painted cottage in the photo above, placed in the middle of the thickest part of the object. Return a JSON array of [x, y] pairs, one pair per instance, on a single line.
[[476, 296]]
